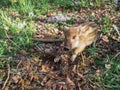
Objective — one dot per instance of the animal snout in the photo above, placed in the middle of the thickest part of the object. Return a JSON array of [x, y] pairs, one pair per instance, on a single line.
[[66, 48]]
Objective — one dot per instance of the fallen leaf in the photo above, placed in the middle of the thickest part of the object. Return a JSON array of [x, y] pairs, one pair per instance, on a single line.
[[45, 68], [105, 38], [15, 79], [23, 52]]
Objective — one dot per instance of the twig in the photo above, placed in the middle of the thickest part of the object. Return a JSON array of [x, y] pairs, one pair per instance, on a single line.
[[49, 40], [31, 88], [8, 76], [83, 59], [19, 63], [116, 55], [116, 28]]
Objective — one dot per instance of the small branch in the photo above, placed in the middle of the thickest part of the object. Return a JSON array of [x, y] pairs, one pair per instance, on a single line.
[[116, 55], [49, 40], [8, 76], [19, 63]]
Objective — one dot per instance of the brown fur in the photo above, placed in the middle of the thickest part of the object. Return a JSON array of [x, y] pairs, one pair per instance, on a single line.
[[79, 37]]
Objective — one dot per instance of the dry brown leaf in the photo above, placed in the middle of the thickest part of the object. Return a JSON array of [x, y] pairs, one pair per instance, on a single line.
[[98, 72], [44, 81], [108, 66], [45, 68], [31, 77], [27, 67], [69, 81], [23, 52], [105, 38], [15, 79], [22, 82]]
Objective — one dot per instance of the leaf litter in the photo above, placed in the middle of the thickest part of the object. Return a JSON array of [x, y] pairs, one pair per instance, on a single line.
[[52, 69]]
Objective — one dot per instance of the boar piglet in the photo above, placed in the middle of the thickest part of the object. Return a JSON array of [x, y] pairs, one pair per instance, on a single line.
[[78, 37]]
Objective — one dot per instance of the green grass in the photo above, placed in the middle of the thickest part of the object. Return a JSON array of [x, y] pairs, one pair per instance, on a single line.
[[20, 30], [106, 25], [110, 77], [93, 51], [75, 5]]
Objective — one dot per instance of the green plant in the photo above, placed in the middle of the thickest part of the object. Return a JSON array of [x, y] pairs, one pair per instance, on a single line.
[[110, 75], [5, 21], [3, 47], [93, 51], [71, 21], [106, 25], [19, 32], [24, 38], [62, 3], [41, 6], [84, 3], [98, 82], [23, 6], [4, 2]]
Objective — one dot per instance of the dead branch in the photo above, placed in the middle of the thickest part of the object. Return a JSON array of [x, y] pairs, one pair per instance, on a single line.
[[49, 40], [8, 76]]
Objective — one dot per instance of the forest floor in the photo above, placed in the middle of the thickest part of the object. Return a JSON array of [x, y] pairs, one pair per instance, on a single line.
[[45, 66]]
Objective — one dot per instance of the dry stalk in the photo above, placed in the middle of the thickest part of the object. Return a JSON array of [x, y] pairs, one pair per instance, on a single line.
[[8, 76]]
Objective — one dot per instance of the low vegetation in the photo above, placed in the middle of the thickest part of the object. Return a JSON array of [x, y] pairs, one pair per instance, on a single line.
[[28, 60]]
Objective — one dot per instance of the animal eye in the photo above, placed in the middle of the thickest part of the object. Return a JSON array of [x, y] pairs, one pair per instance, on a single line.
[[74, 37]]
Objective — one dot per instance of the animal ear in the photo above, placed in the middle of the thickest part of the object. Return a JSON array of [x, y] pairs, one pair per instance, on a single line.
[[66, 28]]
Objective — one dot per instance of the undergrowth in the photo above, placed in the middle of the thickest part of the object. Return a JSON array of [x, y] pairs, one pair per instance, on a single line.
[[17, 28]]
